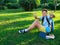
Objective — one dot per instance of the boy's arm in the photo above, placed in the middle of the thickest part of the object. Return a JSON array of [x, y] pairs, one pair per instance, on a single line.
[[35, 16]]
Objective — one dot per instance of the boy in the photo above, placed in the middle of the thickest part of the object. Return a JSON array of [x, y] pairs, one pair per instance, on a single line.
[[45, 23]]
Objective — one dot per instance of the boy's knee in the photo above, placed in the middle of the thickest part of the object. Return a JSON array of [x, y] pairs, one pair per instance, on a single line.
[[37, 20]]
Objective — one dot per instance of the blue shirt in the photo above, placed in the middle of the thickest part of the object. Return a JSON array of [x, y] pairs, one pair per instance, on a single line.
[[45, 23]]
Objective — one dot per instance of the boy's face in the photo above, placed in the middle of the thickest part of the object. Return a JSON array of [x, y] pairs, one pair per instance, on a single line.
[[44, 13]]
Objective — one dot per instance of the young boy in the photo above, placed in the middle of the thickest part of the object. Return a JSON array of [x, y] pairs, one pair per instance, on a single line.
[[42, 27]]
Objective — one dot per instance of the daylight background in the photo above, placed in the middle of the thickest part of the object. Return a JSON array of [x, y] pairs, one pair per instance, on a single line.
[[18, 14]]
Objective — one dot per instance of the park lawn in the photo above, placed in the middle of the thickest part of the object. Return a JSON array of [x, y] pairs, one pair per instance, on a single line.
[[10, 23]]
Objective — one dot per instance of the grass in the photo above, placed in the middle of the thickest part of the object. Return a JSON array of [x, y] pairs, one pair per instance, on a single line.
[[10, 23]]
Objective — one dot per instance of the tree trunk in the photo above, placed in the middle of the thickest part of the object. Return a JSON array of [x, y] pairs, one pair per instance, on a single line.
[[55, 3]]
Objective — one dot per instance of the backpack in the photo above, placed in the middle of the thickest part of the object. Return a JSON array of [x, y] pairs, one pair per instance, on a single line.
[[49, 24]]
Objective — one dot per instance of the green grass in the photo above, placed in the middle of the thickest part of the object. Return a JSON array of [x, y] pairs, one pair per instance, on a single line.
[[10, 23]]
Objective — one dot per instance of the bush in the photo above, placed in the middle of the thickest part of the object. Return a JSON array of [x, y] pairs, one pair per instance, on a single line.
[[2, 5], [44, 6], [51, 6], [2, 8], [13, 6], [58, 7], [10, 1], [27, 5]]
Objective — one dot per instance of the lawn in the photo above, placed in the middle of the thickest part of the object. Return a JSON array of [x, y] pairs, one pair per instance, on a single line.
[[11, 22]]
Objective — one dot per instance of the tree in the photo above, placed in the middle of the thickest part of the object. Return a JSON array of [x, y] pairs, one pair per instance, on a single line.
[[55, 3], [37, 2], [43, 1], [2, 4], [29, 4]]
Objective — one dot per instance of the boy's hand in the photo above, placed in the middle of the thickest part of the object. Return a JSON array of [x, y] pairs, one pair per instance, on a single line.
[[35, 15], [52, 15]]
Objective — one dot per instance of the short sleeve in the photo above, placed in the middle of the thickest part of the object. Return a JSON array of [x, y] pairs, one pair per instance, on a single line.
[[48, 16]]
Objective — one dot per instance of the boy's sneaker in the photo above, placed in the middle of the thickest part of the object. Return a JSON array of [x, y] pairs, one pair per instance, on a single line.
[[23, 31], [51, 36]]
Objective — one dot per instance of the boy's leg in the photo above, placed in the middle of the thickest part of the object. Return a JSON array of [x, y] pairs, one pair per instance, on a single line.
[[37, 24]]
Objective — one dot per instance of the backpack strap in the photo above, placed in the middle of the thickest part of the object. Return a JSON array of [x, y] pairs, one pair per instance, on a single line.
[[52, 26], [46, 19], [42, 19]]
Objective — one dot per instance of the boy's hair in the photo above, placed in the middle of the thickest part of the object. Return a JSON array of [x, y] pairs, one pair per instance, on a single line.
[[44, 10]]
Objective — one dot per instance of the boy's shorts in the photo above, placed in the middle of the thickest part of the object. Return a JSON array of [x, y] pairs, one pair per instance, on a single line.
[[45, 29]]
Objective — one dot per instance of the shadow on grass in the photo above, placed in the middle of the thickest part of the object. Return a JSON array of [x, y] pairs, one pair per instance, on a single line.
[[57, 22], [12, 37], [17, 24], [56, 32], [57, 37], [11, 11], [12, 17]]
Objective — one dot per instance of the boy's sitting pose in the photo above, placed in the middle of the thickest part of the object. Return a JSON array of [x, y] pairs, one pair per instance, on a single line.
[[45, 26]]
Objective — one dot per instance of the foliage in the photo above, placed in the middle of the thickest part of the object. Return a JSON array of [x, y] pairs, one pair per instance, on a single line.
[[37, 2], [27, 4], [51, 6], [12, 6]]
